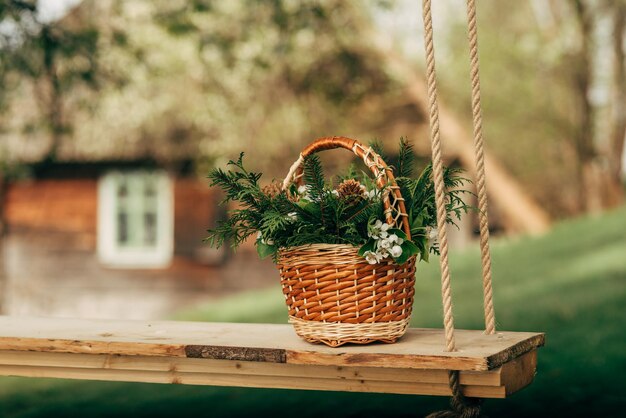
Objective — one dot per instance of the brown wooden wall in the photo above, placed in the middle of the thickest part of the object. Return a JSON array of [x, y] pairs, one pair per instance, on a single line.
[[53, 205], [195, 210], [71, 206]]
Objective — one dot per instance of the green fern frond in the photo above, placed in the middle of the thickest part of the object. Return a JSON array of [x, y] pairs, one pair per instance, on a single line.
[[406, 159]]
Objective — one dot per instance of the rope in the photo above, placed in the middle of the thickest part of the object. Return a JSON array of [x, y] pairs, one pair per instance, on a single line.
[[461, 407], [440, 196], [485, 254]]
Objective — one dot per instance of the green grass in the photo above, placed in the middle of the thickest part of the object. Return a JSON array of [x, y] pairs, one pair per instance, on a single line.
[[570, 284]]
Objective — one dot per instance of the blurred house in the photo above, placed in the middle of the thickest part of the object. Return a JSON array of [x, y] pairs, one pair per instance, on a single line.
[[90, 228]]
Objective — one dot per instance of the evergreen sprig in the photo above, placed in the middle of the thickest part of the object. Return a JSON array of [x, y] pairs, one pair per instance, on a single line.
[[316, 213]]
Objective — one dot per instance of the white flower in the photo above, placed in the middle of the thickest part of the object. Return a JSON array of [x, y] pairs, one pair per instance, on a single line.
[[379, 230], [433, 234], [396, 251], [292, 216], [374, 230], [373, 194], [384, 243], [259, 235], [335, 192], [383, 230], [393, 238], [304, 190], [269, 242], [371, 257]]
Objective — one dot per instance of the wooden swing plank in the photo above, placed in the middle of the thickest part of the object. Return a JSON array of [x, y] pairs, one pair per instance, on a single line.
[[261, 355], [496, 383], [271, 343], [191, 365]]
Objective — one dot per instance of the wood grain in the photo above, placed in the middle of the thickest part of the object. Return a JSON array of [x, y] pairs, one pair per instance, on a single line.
[[418, 349], [216, 379], [261, 355], [194, 365], [176, 370]]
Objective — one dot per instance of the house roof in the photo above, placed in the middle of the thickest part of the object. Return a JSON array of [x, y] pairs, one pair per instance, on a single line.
[[94, 169]]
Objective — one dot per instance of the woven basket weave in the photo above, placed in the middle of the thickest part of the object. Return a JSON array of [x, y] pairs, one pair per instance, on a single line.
[[334, 295]]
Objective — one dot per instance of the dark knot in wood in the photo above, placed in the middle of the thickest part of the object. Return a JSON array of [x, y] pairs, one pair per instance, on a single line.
[[269, 355]]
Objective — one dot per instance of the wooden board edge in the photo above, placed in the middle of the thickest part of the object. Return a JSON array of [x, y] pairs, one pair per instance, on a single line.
[[227, 380], [196, 365], [91, 347], [519, 373], [382, 360], [517, 350]]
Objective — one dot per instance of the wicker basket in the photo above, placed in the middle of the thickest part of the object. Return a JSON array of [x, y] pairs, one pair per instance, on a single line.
[[336, 297]]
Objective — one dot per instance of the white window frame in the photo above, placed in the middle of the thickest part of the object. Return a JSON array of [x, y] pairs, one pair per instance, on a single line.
[[110, 253]]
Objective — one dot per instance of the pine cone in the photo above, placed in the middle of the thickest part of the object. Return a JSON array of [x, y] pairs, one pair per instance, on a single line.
[[351, 190], [273, 189]]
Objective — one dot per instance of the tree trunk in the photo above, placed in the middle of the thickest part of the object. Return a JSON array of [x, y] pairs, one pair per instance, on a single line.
[[53, 103], [589, 185], [599, 167], [618, 114]]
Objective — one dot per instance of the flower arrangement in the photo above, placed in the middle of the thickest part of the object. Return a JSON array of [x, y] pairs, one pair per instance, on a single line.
[[352, 212]]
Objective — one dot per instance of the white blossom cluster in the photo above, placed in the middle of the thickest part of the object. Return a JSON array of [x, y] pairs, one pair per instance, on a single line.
[[386, 244]]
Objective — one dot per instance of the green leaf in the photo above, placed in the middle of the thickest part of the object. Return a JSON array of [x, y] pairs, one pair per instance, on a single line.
[[400, 233], [265, 250], [416, 221], [408, 249], [308, 205], [424, 248], [368, 246]]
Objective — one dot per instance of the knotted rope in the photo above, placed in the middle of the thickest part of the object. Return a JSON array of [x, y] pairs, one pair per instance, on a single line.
[[460, 405]]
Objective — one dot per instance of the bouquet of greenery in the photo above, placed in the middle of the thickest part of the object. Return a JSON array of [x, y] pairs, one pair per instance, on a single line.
[[347, 211]]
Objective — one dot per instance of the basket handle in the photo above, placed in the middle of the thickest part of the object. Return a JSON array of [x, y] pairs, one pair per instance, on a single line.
[[395, 210]]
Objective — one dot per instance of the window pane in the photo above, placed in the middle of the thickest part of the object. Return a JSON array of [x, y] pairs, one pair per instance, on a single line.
[[150, 229], [150, 187], [122, 228], [122, 189]]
